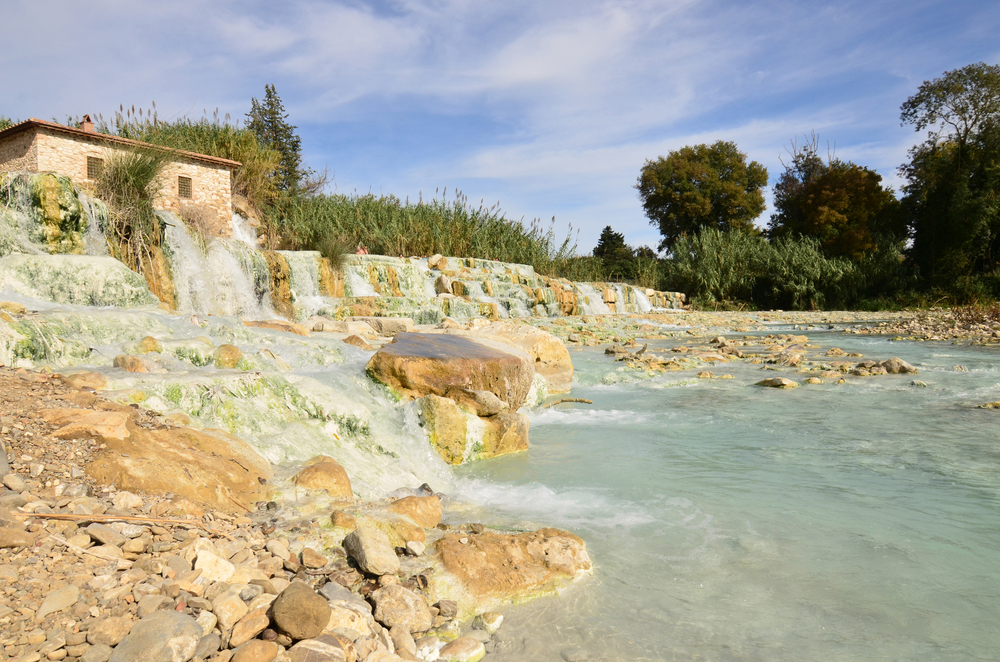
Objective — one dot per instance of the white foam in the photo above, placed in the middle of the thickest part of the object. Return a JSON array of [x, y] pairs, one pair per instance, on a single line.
[[581, 416]]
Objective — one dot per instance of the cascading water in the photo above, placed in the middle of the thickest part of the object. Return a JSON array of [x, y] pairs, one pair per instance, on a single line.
[[242, 231], [642, 301], [213, 279], [304, 282], [95, 241], [590, 301]]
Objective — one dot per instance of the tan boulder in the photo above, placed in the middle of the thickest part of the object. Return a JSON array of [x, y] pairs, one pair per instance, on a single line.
[[549, 355], [425, 511], [210, 467], [82, 380], [387, 326], [133, 363], [495, 568], [359, 342], [778, 382], [278, 325], [147, 345], [341, 520], [322, 324], [227, 356], [13, 307], [399, 528], [86, 423], [419, 364], [458, 435], [325, 473]]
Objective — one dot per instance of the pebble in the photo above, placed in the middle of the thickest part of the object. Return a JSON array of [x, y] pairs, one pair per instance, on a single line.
[[208, 645], [109, 631], [15, 538], [98, 653], [229, 609], [14, 483], [489, 621], [249, 627], [105, 534], [58, 600], [396, 605], [256, 651]]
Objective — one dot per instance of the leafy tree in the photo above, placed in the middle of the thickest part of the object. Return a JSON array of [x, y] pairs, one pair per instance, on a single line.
[[702, 186], [268, 121], [952, 194], [956, 106], [617, 256], [842, 205], [6, 122]]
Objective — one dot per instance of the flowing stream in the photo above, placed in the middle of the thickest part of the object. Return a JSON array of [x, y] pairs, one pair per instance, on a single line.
[[857, 521]]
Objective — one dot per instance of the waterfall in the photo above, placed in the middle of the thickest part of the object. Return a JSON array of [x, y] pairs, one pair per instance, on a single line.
[[95, 241], [219, 278], [304, 282], [590, 300], [642, 301], [242, 231]]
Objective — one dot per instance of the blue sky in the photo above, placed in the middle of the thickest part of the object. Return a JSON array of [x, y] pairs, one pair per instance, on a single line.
[[550, 108]]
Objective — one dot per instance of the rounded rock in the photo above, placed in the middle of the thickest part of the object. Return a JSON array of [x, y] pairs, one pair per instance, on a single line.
[[463, 649], [166, 636], [256, 651], [300, 612]]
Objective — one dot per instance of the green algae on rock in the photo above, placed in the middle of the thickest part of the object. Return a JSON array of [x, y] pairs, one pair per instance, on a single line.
[[83, 280]]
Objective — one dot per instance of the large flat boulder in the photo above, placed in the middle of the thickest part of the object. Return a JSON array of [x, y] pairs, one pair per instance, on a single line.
[[84, 280], [208, 466], [419, 364], [495, 568], [550, 356]]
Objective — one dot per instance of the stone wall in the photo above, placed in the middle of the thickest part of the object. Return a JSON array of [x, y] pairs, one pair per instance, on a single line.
[[19, 153], [44, 150]]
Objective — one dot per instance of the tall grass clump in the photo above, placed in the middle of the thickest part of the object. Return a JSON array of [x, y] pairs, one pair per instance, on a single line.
[[128, 184], [386, 225], [213, 136]]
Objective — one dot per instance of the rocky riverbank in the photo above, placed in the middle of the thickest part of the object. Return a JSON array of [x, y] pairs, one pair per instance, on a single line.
[[93, 572]]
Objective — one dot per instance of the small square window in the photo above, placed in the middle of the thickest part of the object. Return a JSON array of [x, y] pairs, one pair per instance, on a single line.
[[184, 187], [95, 167]]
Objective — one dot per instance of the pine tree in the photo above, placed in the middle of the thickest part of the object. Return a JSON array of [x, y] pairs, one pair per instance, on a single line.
[[268, 121], [617, 256]]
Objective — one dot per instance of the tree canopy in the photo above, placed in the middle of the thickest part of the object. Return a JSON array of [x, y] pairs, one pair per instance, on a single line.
[[617, 256], [268, 121], [952, 194], [842, 205], [702, 186]]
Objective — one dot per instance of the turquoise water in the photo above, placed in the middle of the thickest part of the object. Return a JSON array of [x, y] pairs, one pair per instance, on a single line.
[[857, 521]]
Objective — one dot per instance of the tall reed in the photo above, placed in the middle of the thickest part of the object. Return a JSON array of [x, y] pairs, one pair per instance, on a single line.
[[128, 184]]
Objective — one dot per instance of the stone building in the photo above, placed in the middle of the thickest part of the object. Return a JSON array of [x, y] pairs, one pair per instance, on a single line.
[[195, 186]]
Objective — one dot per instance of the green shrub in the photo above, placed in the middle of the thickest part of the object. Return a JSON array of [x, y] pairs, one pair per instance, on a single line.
[[128, 184]]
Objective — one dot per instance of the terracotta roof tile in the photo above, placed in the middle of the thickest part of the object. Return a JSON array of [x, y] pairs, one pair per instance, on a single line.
[[34, 123]]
